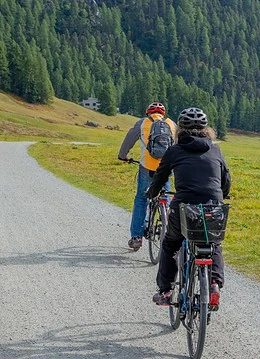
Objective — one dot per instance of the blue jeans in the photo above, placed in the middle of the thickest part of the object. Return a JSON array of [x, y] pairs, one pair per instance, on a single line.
[[144, 180]]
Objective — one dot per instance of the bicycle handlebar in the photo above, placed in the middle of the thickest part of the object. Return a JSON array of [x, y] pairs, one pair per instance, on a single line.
[[128, 160], [131, 160], [163, 191]]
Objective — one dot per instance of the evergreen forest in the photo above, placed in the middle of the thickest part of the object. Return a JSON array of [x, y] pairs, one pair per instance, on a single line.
[[129, 53]]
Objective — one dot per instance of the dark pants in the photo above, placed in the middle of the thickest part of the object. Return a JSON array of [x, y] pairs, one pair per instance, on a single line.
[[170, 246]]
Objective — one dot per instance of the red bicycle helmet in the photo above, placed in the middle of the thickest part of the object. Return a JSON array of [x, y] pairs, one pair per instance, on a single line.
[[156, 107]]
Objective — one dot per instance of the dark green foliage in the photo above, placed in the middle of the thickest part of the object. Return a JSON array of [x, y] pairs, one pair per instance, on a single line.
[[129, 53], [107, 98], [35, 82], [16, 63], [4, 68], [223, 117]]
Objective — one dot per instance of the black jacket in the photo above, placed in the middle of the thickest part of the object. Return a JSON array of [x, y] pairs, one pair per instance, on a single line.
[[200, 171]]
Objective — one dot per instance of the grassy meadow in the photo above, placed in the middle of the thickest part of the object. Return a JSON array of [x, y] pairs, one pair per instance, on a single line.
[[87, 158]]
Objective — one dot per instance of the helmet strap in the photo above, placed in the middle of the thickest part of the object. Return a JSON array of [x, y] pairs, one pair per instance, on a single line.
[[150, 117]]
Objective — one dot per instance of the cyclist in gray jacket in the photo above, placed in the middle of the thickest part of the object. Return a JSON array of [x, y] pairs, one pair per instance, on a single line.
[[147, 168]]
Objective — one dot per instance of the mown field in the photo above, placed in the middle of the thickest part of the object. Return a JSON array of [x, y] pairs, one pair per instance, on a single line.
[[93, 166]]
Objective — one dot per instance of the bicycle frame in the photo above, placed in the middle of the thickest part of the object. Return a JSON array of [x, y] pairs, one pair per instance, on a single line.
[[190, 295], [161, 200], [192, 256]]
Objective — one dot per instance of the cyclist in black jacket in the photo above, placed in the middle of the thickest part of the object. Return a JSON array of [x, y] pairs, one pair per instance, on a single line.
[[200, 175]]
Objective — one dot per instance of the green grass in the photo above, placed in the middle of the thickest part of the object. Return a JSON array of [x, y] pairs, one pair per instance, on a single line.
[[242, 243], [95, 168]]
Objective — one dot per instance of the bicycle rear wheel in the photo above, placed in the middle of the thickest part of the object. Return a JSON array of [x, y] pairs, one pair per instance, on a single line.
[[197, 313], [157, 231]]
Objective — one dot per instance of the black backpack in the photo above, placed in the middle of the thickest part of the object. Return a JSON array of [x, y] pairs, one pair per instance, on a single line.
[[160, 138]]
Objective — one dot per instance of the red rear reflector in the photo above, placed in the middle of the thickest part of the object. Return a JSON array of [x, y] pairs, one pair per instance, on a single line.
[[208, 214], [214, 298], [203, 261], [163, 201]]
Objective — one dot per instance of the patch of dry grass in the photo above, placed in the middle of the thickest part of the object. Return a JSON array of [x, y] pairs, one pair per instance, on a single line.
[[59, 112]]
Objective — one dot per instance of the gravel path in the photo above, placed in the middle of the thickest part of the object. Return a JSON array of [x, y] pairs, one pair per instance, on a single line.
[[71, 288]]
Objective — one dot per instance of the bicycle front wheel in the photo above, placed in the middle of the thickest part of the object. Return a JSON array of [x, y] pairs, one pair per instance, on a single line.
[[197, 313], [157, 231], [174, 309]]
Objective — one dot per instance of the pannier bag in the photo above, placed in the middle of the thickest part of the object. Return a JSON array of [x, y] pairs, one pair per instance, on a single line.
[[204, 223]]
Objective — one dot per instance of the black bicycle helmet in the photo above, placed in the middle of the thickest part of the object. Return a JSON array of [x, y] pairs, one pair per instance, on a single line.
[[192, 118]]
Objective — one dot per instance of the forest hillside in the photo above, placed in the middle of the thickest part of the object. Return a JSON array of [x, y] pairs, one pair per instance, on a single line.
[[129, 53]]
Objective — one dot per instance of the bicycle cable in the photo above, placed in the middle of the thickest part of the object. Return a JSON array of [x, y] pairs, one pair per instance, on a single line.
[[204, 223]]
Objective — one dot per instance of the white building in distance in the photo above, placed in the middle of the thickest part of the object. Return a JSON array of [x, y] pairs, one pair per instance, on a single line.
[[92, 103]]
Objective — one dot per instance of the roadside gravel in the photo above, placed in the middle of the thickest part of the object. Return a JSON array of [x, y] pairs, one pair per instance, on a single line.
[[71, 288]]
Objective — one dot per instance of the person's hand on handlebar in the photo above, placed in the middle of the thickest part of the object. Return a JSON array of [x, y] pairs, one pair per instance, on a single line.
[[123, 159], [228, 196], [128, 160]]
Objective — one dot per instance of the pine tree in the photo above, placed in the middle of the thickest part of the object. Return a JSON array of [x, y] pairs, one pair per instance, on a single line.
[[159, 45], [171, 39], [107, 98], [44, 85], [57, 82], [29, 72], [205, 43], [36, 85], [128, 103], [66, 90], [221, 125], [185, 21], [16, 64], [223, 117], [4, 69]]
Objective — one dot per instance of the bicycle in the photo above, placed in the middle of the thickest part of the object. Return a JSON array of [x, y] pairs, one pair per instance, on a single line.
[[155, 222], [203, 226]]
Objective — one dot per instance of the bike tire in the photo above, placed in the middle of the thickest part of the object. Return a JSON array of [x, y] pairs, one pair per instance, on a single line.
[[157, 231], [198, 311], [174, 309]]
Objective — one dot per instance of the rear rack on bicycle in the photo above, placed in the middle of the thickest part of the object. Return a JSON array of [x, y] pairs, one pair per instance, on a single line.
[[204, 223]]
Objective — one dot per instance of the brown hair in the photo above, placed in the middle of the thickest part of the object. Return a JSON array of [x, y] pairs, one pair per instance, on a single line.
[[204, 132]]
